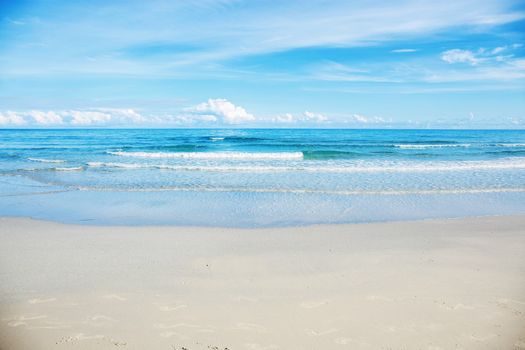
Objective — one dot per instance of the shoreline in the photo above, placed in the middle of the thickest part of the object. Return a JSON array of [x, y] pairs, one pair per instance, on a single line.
[[427, 284], [85, 223]]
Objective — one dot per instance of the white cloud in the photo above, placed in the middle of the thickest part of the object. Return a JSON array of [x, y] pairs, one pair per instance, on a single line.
[[306, 117], [115, 117], [362, 119], [460, 56], [46, 118], [285, 118], [491, 65], [104, 116], [482, 55], [87, 118], [212, 112], [486, 65], [316, 117], [79, 118], [221, 110], [11, 118]]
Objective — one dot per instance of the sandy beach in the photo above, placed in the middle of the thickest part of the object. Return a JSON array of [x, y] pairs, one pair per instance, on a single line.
[[440, 284]]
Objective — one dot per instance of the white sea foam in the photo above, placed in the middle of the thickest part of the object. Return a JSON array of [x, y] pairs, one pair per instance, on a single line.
[[341, 167], [217, 168], [425, 146], [510, 144], [457, 145], [436, 166], [119, 165], [46, 160], [76, 168], [306, 190], [212, 155]]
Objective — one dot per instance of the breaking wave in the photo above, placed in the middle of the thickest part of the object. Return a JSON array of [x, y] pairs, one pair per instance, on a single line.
[[41, 160], [212, 155]]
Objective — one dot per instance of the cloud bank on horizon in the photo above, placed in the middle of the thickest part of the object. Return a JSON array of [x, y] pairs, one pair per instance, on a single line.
[[233, 63]]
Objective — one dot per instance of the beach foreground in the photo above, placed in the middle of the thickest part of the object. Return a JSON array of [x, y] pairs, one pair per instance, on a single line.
[[441, 284]]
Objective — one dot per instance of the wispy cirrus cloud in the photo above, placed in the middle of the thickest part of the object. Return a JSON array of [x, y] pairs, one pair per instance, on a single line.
[[404, 50], [132, 37], [492, 65]]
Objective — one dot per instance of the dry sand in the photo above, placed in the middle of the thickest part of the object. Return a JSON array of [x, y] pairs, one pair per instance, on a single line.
[[447, 284]]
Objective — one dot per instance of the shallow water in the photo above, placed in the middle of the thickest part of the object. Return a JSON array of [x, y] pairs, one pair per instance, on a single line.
[[242, 177]]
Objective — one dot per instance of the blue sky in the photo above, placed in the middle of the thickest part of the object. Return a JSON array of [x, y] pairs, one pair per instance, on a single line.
[[217, 63]]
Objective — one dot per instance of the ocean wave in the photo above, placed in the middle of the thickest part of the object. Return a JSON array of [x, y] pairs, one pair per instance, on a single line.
[[244, 138], [329, 154], [212, 155], [76, 168], [350, 167], [119, 165], [305, 191], [432, 145], [41, 160], [457, 145], [510, 145], [217, 168]]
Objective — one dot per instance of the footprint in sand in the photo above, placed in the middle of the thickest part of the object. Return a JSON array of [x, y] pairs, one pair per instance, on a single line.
[[169, 334], [177, 325], [346, 341], [395, 329], [169, 328], [114, 297], [22, 320], [482, 338], [520, 344], [168, 308], [510, 305], [51, 325], [100, 320], [506, 301], [313, 304], [82, 336], [42, 322], [321, 333], [251, 327], [41, 301], [242, 298], [379, 298], [458, 306]]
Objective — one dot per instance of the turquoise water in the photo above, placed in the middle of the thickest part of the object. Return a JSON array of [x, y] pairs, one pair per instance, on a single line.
[[263, 177]]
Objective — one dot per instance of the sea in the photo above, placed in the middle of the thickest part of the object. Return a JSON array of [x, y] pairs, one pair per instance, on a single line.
[[259, 177]]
